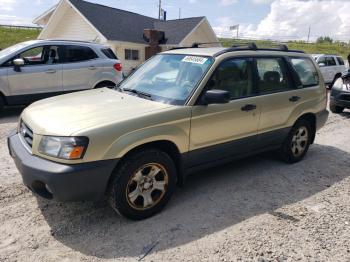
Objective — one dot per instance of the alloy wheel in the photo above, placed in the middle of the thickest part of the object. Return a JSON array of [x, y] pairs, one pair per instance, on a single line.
[[300, 141], [147, 186]]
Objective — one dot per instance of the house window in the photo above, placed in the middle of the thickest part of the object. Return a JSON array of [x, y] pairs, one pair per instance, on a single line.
[[131, 54]]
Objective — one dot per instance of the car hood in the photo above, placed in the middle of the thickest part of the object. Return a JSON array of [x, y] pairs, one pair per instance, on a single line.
[[67, 114]]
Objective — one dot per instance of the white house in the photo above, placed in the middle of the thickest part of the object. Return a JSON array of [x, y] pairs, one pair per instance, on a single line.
[[129, 34]]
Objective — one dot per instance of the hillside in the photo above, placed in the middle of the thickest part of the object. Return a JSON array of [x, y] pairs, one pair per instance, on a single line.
[[11, 36], [311, 48]]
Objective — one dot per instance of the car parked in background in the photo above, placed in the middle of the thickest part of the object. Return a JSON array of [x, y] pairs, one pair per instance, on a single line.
[[180, 111], [39, 69], [332, 67], [340, 94]]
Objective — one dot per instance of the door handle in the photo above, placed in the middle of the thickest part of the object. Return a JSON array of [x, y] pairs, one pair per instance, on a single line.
[[92, 67], [294, 98], [50, 71], [248, 107]]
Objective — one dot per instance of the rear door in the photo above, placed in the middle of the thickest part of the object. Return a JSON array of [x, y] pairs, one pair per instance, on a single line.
[[39, 77], [278, 98], [293, 90], [79, 68]]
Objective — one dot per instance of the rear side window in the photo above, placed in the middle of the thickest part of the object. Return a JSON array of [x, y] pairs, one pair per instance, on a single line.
[[340, 60], [330, 61], [272, 73], [78, 54], [306, 71], [109, 53]]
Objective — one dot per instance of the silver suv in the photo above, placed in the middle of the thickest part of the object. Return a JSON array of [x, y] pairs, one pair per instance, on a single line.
[[38, 69]]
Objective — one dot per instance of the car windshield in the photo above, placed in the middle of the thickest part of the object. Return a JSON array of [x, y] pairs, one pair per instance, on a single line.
[[167, 78], [12, 49]]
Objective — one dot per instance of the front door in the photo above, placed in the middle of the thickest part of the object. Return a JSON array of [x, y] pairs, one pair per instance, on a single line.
[[221, 131], [39, 77]]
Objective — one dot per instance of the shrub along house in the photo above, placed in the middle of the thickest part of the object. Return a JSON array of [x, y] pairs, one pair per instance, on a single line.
[[132, 36]]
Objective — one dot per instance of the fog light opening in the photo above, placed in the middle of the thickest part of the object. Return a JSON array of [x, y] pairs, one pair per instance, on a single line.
[[42, 189]]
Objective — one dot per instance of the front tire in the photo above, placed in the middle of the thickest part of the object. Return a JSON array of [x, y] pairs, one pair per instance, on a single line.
[[107, 84], [142, 184], [298, 142], [2, 104], [336, 109]]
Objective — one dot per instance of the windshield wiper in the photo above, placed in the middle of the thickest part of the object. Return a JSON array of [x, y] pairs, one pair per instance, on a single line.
[[139, 93]]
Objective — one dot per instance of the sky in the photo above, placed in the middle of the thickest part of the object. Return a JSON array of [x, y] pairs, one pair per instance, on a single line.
[[258, 19]]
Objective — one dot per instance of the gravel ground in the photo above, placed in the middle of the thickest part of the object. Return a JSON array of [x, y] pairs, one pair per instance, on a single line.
[[258, 209]]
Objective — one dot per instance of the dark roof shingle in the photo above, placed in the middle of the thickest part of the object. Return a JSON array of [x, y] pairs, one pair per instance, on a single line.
[[120, 25]]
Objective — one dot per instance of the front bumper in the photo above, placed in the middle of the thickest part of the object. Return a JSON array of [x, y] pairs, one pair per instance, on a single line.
[[61, 182], [340, 98], [321, 119]]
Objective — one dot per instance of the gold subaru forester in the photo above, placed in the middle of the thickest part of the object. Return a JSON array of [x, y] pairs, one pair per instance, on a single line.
[[181, 111]]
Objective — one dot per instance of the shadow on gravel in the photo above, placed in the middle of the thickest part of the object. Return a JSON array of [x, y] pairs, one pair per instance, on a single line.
[[10, 115], [211, 201]]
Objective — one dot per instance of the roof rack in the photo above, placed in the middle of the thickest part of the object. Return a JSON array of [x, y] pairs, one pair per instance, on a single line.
[[253, 47], [194, 45]]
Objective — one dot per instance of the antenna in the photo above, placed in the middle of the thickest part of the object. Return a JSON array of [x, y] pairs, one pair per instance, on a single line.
[[160, 9]]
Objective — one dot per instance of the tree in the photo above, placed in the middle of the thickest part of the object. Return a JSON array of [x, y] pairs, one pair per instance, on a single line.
[[325, 39]]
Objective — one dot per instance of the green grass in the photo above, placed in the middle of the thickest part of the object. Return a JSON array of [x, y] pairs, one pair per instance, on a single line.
[[311, 48], [11, 36]]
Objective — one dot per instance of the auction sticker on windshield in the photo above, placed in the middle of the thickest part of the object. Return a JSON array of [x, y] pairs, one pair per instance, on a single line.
[[195, 59]]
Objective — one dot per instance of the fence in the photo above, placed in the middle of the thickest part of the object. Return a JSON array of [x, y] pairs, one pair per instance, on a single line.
[[21, 27]]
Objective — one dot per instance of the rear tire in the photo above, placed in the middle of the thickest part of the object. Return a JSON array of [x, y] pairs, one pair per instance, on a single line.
[[336, 109], [142, 184], [298, 142]]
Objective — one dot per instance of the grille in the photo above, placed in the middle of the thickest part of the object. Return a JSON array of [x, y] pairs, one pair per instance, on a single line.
[[26, 133], [345, 97]]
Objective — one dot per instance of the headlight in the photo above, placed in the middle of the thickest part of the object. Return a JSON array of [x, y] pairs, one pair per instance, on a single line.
[[69, 148], [341, 84]]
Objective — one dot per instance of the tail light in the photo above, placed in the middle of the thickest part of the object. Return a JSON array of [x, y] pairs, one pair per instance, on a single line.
[[118, 67]]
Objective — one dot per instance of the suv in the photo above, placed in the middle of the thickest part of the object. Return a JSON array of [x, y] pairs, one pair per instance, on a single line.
[[181, 111], [38, 69], [332, 67]]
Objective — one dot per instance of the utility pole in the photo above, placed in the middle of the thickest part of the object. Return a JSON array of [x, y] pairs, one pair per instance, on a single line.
[[179, 13], [160, 9], [308, 35]]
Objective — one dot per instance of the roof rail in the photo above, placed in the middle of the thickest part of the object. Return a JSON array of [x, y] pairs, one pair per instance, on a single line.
[[70, 40], [253, 47]]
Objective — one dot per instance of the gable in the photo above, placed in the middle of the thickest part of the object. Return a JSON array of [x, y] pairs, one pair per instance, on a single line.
[[67, 23]]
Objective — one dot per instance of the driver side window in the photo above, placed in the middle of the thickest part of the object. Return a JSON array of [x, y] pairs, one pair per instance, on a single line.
[[234, 76], [33, 56], [40, 55]]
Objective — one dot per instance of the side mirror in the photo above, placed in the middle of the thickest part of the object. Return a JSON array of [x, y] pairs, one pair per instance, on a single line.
[[18, 63], [216, 96], [321, 64]]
